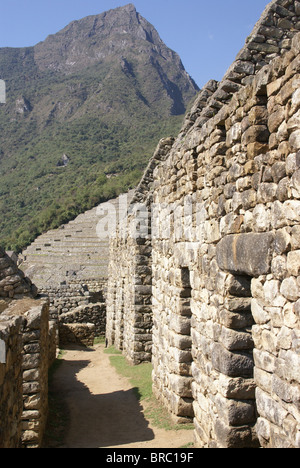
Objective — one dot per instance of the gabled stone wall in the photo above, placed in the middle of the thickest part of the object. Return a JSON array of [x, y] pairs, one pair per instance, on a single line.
[[271, 37], [13, 283]]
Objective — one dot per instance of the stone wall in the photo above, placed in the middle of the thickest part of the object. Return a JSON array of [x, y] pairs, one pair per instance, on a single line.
[[90, 320], [78, 308], [27, 349], [270, 38], [225, 297], [11, 381], [223, 252], [35, 375], [24, 330], [82, 334], [129, 290], [70, 295], [13, 283]]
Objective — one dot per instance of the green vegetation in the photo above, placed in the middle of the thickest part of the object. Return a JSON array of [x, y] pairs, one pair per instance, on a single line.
[[107, 156], [58, 414], [99, 340], [106, 112], [139, 376], [141, 379]]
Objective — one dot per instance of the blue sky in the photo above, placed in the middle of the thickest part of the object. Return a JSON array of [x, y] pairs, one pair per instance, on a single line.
[[207, 34]]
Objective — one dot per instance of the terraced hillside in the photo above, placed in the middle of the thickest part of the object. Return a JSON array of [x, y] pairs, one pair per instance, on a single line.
[[77, 250]]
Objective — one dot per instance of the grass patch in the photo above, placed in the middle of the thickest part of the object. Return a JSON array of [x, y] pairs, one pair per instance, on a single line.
[[112, 350], [141, 379], [58, 415], [139, 376], [99, 340]]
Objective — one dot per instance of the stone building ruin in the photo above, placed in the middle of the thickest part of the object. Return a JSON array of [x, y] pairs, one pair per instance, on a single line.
[[27, 349], [203, 276], [68, 265], [204, 272], [51, 296]]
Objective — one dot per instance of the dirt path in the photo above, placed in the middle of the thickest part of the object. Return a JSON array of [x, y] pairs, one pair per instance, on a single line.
[[103, 409]]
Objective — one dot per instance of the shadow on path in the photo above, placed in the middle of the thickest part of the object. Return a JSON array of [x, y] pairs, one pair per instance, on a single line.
[[103, 410]]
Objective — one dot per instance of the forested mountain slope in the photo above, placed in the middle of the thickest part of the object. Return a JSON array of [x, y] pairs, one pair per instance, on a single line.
[[84, 112]]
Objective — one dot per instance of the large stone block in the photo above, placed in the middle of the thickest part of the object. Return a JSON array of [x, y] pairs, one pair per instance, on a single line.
[[234, 437], [246, 254], [231, 364], [234, 412]]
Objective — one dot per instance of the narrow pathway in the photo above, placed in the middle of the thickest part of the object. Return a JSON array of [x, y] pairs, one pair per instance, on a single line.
[[103, 409]]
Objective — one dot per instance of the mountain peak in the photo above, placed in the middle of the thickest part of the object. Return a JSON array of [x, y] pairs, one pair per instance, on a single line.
[[129, 7], [102, 91], [93, 38]]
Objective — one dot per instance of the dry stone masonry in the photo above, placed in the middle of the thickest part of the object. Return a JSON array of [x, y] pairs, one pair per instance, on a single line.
[[32, 327], [207, 279], [204, 266], [27, 350], [69, 265], [11, 382], [25, 356], [129, 290], [13, 283], [83, 324]]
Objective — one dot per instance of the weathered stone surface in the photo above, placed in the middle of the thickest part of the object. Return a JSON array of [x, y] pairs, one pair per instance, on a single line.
[[78, 333], [290, 289], [227, 211], [248, 254], [235, 413], [259, 314], [13, 283], [94, 314], [239, 286], [234, 437], [28, 349], [231, 364], [234, 340], [293, 263], [237, 388]]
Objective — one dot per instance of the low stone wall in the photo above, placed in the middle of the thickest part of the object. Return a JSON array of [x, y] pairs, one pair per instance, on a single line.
[[88, 314], [81, 302], [92, 285], [82, 334], [65, 298]]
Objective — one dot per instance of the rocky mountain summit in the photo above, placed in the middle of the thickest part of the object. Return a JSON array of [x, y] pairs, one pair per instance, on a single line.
[[103, 90], [122, 37]]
